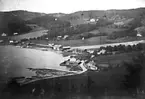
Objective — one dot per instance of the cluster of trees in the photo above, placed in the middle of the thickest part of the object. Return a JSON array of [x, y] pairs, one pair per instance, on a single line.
[[104, 22], [11, 24], [127, 76], [122, 48], [135, 73], [129, 29], [58, 27], [135, 23], [49, 22], [71, 31], [120, 34]]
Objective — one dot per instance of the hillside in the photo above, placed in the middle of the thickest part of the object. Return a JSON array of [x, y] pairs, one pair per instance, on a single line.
[[48, 22], [114, 15], [25, 15], [10, 24], [15, 21], [77, 24]]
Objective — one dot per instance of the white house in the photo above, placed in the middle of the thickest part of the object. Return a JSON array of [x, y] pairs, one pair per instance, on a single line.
[[11, 41], [15, 33], [101, 52], [83, 38], [1, 41], [91, 51], [91, 65], [59, 36], [66, 47], [65, 36], [97, 20], [92, 56], [73, 59], [119, 23], [3, 34], [140, 30], [139, 35], [92, 20], [57, 47]]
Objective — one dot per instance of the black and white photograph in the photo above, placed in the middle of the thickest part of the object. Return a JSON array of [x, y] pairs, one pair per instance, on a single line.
[[72, 49]]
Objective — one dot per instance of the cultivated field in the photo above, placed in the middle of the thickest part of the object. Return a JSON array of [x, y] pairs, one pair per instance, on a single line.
[[109, 30], [115, 59], [33, 34], [90, 41]]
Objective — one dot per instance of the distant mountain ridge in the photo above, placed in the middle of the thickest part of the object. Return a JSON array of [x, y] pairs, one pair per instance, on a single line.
[[122, 18], [25, 15]]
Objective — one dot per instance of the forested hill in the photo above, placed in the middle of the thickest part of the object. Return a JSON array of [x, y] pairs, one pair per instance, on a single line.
[[17, 21]]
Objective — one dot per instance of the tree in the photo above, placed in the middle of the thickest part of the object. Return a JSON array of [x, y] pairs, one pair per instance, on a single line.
[[139, 46], [129, 48], [115, 48], [109, 48], [135, 70], [133, 78], [82, 14], [90, 15]]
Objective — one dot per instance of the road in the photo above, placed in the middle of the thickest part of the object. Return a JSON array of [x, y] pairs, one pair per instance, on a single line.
[[112, 44]]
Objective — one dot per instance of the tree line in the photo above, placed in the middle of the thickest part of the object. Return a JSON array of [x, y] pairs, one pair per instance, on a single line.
[[122, 48]]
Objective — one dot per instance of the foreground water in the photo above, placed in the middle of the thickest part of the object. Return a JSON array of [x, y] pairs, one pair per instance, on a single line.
[[15, 61]]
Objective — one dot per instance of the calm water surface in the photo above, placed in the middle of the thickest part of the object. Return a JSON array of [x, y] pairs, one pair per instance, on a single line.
[[15, 61]]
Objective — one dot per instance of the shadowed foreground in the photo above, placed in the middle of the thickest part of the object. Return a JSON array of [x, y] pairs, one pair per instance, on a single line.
[[122, 82]]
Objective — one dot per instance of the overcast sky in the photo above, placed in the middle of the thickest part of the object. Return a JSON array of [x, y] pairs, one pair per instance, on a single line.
[[68, 6]]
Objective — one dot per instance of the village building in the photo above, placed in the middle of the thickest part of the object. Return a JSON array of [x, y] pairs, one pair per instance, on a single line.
[[119, 23], [90, 65], [3, 34], [139, 35], [66, 48], [92, 56], [101, 52], [90, 51], [140, 31], [57, 47], [65, 36], [73, 59], [1, 41], [92, 20], [59, 37], [46, 38], [83, 38], [11, 41], [15, 33], [97, 20]]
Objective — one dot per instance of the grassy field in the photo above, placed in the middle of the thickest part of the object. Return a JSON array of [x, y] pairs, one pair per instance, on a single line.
[[114, 59], [33, 34], [90, 41], [106, 30], [125, 39], [109, 30]]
